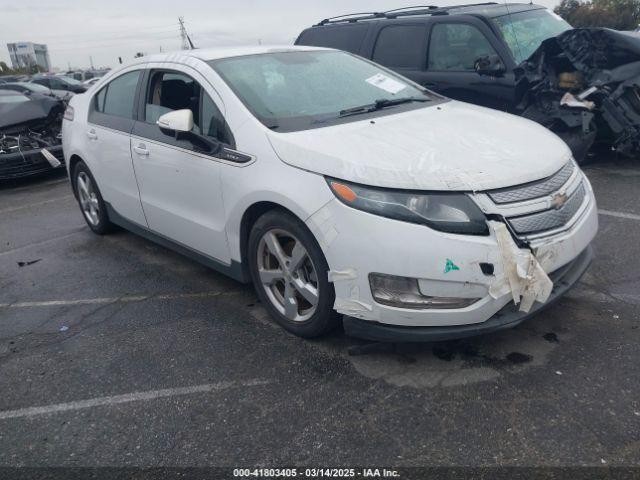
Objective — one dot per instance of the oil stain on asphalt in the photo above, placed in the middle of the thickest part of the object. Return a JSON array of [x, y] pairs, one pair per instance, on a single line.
[[442, 364], [460, 362]]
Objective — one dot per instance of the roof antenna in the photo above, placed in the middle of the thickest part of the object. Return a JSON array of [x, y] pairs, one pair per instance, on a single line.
[[187, 44], [513, 30]]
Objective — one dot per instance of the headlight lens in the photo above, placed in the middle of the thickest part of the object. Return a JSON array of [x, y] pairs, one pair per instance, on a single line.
[[447, 212]]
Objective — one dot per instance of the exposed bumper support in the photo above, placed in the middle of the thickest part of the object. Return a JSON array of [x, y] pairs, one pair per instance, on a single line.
[[31, 162], [563, 279]]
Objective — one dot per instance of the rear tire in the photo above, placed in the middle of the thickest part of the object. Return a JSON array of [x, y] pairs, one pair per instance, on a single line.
[[90, 200], [290, 275]]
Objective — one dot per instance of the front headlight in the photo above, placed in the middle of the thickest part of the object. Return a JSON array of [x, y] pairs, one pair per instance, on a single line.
[[447, 212]]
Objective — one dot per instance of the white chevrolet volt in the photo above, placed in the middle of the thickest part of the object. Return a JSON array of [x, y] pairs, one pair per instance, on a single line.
[[342, 190]]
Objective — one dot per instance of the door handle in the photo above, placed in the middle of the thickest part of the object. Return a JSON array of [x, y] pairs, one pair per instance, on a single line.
[[92, 135], [141, 150], [429, 85]]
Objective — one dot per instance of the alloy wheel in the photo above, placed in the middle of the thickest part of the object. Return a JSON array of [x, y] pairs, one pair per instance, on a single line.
[[288, 275], [88, 199]]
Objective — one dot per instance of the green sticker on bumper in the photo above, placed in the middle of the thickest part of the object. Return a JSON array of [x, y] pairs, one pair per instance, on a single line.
[[450, 266]]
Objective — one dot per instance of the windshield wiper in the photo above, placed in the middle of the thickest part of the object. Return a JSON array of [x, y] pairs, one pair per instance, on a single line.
[[379, 105]]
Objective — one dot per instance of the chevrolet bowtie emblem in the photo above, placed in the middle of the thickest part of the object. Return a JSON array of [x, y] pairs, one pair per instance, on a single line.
[[558, 200]]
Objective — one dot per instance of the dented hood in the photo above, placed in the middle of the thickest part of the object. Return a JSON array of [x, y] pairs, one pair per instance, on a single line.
[[448, 146], [17, 116]]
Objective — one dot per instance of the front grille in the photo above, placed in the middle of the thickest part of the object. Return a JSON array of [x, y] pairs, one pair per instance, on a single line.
[[533, 190], [549, 219]]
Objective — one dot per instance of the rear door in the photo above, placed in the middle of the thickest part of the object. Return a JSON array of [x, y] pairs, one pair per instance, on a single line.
[[179, 180], [111, 118], [403, 48], [454, 46]]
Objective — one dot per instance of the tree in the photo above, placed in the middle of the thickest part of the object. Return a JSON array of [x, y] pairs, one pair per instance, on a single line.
[[616, 14]]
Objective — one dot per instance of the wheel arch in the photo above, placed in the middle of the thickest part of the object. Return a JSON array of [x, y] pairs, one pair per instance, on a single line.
[[249, 218], [73, 161]]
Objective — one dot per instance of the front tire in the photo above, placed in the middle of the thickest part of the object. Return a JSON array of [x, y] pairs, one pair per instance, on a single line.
[[90, 200], [290, 275]]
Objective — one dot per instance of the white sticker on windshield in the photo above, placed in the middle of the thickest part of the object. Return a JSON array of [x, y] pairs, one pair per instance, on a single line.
[[386, 83]]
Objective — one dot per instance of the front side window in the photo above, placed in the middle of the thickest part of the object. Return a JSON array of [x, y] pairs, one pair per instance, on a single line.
[[57, 84], [401, 46], [169, 91], [523, 32], [297, 90], [457, 46], [17, 98], [117, 97], [34, 87]]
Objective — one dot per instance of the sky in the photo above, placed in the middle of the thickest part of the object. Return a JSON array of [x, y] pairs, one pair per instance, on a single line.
[[77, 32]]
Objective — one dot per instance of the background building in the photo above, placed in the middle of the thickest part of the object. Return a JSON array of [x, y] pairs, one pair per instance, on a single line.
[[29, 55]]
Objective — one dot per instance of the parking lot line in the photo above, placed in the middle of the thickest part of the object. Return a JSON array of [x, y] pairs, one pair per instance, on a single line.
[[628, 216], [30, 187], [82, 229], [36, 204], [123, 299], [127, 398]]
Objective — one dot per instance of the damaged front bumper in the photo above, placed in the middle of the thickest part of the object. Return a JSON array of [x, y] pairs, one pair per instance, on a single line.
[[30, 137], [494, 272], [508, 317], [31, 162], [584, 85]]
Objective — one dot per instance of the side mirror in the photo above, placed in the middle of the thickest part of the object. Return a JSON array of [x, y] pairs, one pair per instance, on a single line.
[[177, 121], [489, 65]]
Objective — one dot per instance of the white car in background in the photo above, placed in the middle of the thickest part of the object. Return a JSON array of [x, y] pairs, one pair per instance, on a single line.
[[63, 87], [337, 187], [91, 81]]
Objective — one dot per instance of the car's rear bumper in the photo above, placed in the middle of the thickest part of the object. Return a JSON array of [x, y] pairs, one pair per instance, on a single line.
[[31, 162], [509, 316]]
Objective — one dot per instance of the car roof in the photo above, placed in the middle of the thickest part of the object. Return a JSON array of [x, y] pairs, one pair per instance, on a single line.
[[494, 10], [7, 93], [489, 9], [216, 53]]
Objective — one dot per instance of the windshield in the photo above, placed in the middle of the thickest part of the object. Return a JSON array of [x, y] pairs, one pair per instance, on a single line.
[[34, 87], [296, 90], [70, 81], [525, 31]]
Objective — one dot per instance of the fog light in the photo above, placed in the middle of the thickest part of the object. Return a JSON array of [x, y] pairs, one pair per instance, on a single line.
[[403, 292]]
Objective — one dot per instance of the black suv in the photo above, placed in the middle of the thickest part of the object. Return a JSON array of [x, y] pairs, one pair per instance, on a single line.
[[465, 52]]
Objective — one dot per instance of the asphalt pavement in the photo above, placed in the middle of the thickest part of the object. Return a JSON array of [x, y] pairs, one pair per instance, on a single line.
[[117, 352]]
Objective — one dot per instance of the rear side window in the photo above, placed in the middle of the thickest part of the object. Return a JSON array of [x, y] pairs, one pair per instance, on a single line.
[[457, 46], [401, 46], [102, 94], [117, 97], [344, 37]]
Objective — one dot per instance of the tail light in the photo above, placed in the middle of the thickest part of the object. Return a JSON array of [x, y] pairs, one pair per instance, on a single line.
[[68, 114]]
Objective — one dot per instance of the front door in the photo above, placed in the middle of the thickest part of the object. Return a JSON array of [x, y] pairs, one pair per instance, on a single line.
[[454, 47], [179, 181]]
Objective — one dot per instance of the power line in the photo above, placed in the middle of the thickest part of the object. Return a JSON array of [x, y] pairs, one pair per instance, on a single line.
[[92, 34], [144, 41], [125, 37]]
